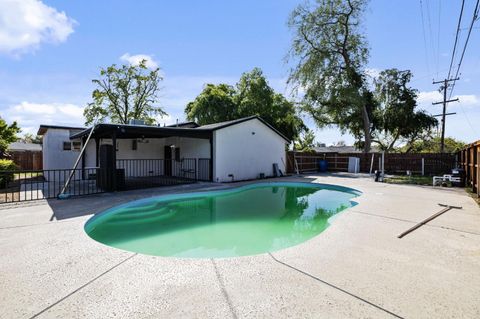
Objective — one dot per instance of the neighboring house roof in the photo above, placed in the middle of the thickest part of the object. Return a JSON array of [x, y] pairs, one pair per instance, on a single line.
[[339, 149], [135, 131], [20, 146], [43, 128]]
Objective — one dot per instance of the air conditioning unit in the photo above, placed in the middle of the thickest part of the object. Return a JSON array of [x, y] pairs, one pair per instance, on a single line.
[[136, 122]]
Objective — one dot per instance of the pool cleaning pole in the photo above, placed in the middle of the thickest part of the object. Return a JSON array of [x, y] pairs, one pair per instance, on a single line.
[[371, 164], [383, 165], [62, 194]]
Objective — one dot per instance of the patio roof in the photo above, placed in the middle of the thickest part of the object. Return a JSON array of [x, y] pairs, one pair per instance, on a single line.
[[124, 131]]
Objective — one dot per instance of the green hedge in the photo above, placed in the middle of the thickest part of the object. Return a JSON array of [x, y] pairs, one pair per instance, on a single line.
[[5, 178]]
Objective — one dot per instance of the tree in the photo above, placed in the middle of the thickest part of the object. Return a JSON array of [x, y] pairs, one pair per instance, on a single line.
[[432, 145], [215, 104], [30, 138], [255, 97], [396, 118], [330, 55], [125, 93], [252, 95], [8, 134], [306, 142]]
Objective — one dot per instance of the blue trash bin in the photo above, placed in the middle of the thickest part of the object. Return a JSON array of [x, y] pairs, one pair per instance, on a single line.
[[322, 165]]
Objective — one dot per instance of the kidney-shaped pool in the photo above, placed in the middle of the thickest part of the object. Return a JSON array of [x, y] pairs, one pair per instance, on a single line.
[[247, 220]]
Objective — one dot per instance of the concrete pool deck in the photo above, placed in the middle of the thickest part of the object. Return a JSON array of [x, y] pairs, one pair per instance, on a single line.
[[356, 268]]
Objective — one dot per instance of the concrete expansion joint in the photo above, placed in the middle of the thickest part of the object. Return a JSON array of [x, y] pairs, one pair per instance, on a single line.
[[83, 286], [223, 289], [39, 224], [334, 287]]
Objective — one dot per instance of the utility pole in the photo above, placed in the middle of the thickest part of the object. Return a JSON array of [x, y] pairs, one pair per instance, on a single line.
[[444, 87]]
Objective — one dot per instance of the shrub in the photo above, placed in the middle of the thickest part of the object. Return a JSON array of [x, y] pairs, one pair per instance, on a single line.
[[6, 176]]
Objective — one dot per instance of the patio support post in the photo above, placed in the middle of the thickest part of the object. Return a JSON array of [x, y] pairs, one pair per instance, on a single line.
[[83, 158], [97, 149], [211, 157], [114, 160]]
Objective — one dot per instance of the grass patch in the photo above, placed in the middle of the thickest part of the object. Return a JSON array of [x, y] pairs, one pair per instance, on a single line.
[[27, 175], [412, 180]]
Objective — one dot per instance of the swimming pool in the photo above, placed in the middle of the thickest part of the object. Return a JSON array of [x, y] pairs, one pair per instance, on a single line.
[[246, 220]]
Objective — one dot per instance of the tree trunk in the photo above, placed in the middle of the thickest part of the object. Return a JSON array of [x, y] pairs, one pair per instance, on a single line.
[[366, 130]]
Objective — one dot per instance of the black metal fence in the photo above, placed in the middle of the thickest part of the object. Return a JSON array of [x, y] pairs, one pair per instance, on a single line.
[[25, 185], [142, 173]]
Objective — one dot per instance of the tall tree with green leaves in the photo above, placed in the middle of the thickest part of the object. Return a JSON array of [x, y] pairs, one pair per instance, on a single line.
[[431, 144], [30, 138], [330, 53], [8, 134], [125, 93], [252, 95], [306, 141], [256, 97], [216, 103], [396, 118]]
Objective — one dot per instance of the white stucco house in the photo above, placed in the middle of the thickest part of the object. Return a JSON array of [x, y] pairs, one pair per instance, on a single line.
[[241, 149]]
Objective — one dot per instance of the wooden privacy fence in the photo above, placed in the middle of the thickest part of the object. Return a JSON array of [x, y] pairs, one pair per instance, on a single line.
[[422, 163], [27, 160], [470, 162]]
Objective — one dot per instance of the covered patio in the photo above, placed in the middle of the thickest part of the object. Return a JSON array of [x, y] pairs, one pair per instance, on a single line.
[[139, 156]]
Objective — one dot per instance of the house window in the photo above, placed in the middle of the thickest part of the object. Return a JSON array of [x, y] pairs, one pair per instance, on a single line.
[[67, 146], [77, 146]]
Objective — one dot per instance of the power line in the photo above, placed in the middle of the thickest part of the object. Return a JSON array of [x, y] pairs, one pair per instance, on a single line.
[[431, 37], [438, 33], [474, 18], [468, 120], [424, 37], [456, 39]]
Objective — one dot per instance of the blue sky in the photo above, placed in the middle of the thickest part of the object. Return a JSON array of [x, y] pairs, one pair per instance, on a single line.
[[50, 51]]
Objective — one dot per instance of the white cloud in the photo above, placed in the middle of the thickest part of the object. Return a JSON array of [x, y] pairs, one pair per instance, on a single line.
[[30, 115], [468, 99], [137, 58], [425, 99], [429, 97], [25, 24]]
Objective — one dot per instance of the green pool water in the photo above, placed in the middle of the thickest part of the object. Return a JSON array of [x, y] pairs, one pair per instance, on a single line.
[[248, 220]]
